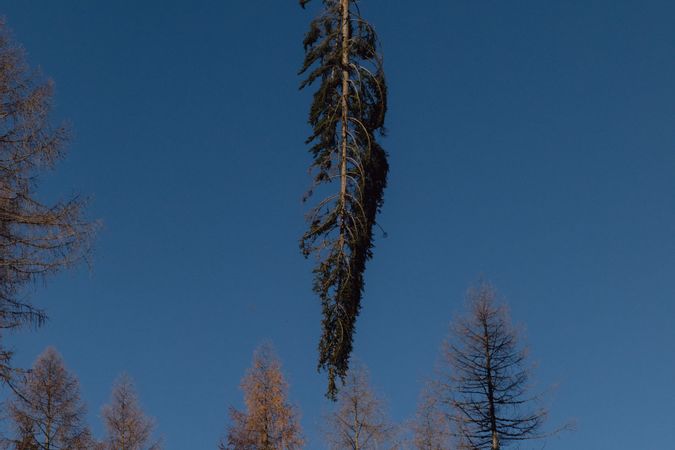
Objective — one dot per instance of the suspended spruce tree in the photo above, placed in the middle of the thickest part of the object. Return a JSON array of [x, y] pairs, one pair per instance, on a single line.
[[349, 169]]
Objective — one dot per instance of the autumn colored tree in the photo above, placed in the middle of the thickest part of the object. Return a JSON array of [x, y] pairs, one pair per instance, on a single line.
[[349, 169], [36, 239], [46, 412], [485, 385], [269, 422], [430, 428], [128, 428], [359, 421]]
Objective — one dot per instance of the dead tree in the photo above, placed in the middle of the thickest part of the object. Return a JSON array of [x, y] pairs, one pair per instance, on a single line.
[[36, 239], [486, 382], [46, 412], [269, 422], [349, 169], [128, 428], [359, 421]]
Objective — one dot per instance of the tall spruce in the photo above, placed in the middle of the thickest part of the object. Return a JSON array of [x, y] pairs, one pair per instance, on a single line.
[[349, 169]]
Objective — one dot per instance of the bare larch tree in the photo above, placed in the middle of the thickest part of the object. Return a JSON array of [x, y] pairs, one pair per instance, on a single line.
[[347, 112], [430, 428], [46, 411], [128, 428], [359, 421], [269, 422], [486, 381], [36, 239]]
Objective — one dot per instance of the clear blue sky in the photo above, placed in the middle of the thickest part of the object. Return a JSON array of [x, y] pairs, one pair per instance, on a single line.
[[530, 141]]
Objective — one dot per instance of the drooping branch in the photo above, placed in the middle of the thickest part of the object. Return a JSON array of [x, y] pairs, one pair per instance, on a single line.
[[347, 112]]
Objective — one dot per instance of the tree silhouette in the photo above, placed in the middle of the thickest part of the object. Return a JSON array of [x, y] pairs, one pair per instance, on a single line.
[[347, 112], [486, 378]]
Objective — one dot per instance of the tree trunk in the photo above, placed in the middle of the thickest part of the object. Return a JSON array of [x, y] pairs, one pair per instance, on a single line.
[[356, 425], [345, 116], [491, 392]]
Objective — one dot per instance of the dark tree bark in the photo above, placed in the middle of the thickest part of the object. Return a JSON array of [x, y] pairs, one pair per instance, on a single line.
[[36, 239]]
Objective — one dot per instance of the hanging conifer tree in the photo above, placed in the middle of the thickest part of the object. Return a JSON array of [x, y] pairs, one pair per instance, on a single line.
[[349, 168]]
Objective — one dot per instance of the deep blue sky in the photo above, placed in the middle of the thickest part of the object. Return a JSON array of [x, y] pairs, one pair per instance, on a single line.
[[532, 142]]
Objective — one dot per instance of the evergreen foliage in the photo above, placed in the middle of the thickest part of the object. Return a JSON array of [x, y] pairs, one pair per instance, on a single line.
[[347, 113]]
